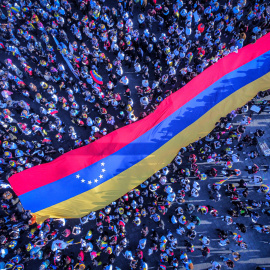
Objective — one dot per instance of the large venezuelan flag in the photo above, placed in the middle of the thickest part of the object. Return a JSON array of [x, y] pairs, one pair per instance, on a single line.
[[93, 176]]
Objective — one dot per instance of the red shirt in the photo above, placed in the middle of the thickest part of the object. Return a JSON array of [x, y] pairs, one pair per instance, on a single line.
[[201, 27]]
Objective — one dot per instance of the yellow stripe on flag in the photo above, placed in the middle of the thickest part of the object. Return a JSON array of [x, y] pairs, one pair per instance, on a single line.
[[105, 193]]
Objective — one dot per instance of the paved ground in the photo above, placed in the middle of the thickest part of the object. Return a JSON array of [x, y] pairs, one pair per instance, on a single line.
[[258, 244]]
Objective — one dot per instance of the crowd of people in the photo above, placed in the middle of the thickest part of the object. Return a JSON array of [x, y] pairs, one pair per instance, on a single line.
[[68, 75]]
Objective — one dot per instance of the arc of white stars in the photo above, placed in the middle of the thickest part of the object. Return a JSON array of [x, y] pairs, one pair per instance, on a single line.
[[95, 180], [103, 170], [89, 182], [100, 176], [78, 176], [102, 164], [82, 180]]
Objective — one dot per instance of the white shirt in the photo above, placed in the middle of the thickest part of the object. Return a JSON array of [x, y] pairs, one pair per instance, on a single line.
[[5, 186]]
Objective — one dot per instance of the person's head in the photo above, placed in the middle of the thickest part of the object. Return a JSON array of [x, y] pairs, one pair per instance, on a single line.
[[230, 263]]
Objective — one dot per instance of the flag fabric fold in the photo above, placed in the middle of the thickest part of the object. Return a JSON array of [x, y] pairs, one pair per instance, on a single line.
[[91, 177]]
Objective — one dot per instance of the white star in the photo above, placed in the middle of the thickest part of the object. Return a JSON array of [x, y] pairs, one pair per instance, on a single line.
[[102, 164], [95, 180], [82, 180], [103, 170], [100, 176], [89, 182], [77, 176]]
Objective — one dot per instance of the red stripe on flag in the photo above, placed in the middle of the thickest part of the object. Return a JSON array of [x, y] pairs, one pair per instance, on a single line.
[[107, 145]]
